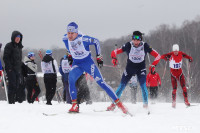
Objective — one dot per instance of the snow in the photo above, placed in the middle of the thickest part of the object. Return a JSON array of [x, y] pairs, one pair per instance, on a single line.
[[29, 118]]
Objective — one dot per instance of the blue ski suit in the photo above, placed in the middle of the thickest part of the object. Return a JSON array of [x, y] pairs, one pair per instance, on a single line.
[[83, 62]]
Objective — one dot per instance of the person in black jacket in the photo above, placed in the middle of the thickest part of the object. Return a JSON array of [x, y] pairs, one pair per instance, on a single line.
[[31, 79], [49, 68], [12, 58]]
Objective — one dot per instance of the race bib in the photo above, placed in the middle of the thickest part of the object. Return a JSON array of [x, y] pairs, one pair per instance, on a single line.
[[77, 49], [66, 68], [175, 65], [47, 67], [137, 55]]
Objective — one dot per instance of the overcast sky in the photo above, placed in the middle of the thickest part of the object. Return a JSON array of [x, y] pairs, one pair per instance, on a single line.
[[43, 22]]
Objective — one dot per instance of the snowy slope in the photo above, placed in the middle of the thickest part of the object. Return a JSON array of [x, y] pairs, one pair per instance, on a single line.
[[28, 118]]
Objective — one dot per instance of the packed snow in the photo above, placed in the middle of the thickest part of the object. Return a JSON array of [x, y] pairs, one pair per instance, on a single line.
[[29, 118]]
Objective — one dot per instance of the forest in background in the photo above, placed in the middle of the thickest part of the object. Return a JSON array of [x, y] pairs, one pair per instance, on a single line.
[[161, 39]]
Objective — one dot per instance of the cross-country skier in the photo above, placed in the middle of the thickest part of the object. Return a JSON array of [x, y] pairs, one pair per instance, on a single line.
[[78, 46], [49, 68], [152, 82], [31, 79], [175, 63], [136, 51]]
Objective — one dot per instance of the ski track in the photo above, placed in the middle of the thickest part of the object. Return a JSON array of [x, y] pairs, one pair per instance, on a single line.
[[23, 118]]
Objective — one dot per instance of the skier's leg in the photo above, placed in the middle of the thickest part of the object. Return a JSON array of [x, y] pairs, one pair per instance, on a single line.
[[37, 90], [53, 87], [174, 86], [74, 74], [125, 79], [156, 92], [11, 87], [151, 92], [29, 90], [142, 80], [182, 82]]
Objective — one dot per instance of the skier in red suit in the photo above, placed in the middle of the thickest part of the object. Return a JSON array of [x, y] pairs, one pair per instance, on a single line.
[[175, 63], [152, 82]]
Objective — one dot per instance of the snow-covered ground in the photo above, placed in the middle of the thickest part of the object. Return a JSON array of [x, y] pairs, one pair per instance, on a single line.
[[29, 118]]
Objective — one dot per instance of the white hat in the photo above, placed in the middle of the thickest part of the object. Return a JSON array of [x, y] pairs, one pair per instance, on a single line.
[[175, 47]]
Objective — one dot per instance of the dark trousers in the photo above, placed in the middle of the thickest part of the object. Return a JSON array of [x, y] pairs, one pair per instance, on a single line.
[[13, 85], [50, 81], [83, 90], [66, 94], [31, 83], [133, 94], [153, 92]]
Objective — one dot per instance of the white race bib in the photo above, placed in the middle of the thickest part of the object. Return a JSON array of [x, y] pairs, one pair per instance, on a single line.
[[77, 49], [137, 55], [66, 68], [47, 67], [174, 65]]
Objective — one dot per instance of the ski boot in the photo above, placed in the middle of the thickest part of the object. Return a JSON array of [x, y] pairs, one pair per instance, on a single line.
[[173, 104], [75, 107], [145, 105], [121, 106], [111, 107], [187, 103]]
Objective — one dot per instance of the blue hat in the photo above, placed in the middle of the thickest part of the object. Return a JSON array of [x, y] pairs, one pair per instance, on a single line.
[[65, 56], [72, 27], [31, 54], [49, 52], [18, 36]]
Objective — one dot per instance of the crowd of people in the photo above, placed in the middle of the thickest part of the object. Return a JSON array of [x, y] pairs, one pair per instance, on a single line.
[[78, 61]]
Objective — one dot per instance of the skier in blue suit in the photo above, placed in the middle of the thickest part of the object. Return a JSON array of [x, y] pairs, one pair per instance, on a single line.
[[78, 46]]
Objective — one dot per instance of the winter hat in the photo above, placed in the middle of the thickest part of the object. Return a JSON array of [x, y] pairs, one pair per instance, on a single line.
[[72, 27], [175, 47], [49, 52], [137, 35], [18, 36], [31, 54]]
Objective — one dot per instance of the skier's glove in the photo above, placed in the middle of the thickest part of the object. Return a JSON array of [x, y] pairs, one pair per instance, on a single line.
[[100, 60], [1, 72], [190, 60], [166, 58], [114, 61], [70, 60]]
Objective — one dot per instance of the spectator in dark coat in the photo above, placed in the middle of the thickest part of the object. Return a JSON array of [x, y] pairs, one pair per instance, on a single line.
[[13, 61]]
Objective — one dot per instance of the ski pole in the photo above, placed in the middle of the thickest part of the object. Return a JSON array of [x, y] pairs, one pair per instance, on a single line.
[[164, 70]]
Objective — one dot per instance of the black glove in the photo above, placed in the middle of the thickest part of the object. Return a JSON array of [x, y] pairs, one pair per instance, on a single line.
[[70, 60], [100, 60], [190, 60]]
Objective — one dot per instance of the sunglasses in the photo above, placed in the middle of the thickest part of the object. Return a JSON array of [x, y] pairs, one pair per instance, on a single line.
[[135, 37]]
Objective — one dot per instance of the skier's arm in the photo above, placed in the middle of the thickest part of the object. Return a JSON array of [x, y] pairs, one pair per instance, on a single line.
[[187, 57], [6, 59], [56, 65], [166, 56], [152, 52]]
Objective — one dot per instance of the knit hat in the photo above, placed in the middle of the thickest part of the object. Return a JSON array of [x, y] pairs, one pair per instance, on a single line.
[[31, 54], [72, 27], [49, 52]]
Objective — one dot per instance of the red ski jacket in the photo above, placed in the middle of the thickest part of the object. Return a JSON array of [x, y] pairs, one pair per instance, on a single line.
[[153, 80]]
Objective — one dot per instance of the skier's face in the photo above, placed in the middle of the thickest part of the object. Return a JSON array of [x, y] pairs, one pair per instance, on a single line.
[[72, 36], [176, 52], [17, 39], [136, 42]]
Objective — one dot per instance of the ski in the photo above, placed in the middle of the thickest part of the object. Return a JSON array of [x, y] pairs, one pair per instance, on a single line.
[[49, 114], [128, 113]]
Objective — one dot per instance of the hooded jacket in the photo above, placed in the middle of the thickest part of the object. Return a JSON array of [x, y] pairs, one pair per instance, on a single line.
[[13, 53]]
